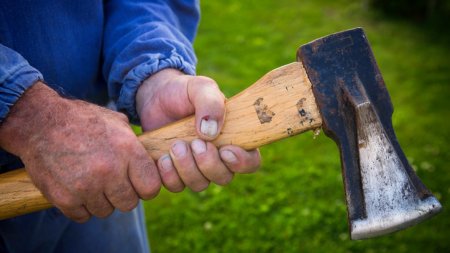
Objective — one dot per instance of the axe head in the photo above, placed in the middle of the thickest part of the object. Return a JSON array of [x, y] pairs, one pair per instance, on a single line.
[[382, 191]]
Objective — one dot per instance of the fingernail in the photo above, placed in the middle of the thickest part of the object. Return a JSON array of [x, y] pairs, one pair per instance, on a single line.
[[208, 127], [228, 156], [166, 163], [179, 149], [198, 146]]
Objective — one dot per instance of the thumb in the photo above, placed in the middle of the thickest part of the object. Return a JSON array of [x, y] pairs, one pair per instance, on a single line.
[[209, 105]]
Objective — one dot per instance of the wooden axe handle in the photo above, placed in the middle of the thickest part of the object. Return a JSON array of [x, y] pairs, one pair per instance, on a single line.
[[279, 105]]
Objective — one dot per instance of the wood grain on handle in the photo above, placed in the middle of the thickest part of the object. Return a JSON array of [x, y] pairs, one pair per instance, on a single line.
[[19, 195], [279, 105]]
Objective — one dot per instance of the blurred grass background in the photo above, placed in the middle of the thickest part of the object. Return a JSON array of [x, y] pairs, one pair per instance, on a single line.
[[295, 203]]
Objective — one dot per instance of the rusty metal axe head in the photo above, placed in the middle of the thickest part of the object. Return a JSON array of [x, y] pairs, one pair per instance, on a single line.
[[382, 191]]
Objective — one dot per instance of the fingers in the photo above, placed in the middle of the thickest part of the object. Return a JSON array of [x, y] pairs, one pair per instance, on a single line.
[[240, 161], [199, 163], [208, 161], [122, 196], [122, 190], [169, 174], [76, 213], [140, 180], [90, 162], [186, 167], [99, 206], [143, 174], [71, 206], [209, 104]]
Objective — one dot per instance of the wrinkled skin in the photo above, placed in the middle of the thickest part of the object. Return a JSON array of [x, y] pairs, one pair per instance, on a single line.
[[170, 96], [87, 161]]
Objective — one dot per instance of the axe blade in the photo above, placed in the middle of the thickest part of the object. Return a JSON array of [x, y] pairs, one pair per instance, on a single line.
[[383, 193]]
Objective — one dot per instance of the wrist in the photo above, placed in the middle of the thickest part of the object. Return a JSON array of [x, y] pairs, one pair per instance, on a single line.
[[28, 117]]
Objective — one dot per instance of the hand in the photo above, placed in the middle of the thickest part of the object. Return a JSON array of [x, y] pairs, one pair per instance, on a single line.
[[85, 159], [170, 95]]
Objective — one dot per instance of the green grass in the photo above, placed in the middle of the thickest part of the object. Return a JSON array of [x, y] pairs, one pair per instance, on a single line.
[[295, 203]]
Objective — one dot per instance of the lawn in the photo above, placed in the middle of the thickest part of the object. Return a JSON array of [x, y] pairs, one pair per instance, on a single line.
[[295, 203]]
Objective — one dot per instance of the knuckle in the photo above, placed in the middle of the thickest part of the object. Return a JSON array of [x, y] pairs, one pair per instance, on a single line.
[[199, 186], [249, 165], [81, 186], [65, 202], [207, 160], [175, 188], [104, 212], [151, 190], [123, 198], [204, 80], [206, 84], [122, 117], [250, 168], [205, 166], [173, 183], [211, 172], [129, 205], [79, 215], [101, 208], [183, 164], [102, 167], [224, 179], [124, 143], [194, 180]]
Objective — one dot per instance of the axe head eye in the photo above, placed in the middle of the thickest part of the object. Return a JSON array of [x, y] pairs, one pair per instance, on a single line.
[[383, 193]]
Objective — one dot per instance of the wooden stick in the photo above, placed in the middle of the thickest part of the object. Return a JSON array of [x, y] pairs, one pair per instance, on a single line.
[[279, 105]]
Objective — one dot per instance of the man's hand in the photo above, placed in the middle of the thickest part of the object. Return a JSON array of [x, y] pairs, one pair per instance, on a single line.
[[170, 95], [85, 159]]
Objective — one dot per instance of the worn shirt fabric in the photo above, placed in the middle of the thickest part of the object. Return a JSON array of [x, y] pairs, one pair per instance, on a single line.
[[93, 50]]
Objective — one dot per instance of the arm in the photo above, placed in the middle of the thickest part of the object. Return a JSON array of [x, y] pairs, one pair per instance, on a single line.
[[142, 38], [148, 53], [83, 158]]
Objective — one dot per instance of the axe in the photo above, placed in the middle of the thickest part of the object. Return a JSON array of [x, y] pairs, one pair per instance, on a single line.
[[334, 85]]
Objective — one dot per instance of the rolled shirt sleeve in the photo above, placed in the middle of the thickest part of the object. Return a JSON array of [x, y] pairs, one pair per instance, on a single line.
[[142, 38], [16, 76]]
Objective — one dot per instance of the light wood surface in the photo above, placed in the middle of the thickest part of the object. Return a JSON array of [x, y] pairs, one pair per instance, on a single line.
[[19, 195], [279, 105]]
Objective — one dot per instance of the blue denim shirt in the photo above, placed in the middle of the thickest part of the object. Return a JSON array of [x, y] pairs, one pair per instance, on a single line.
[[92, 49]]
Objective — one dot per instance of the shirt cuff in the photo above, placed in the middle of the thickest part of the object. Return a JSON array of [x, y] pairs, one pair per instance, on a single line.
[[133, 80], [14, 84]]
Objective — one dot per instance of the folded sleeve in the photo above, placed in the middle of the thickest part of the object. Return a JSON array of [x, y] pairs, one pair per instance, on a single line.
[[16, 76], [142, 38]]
